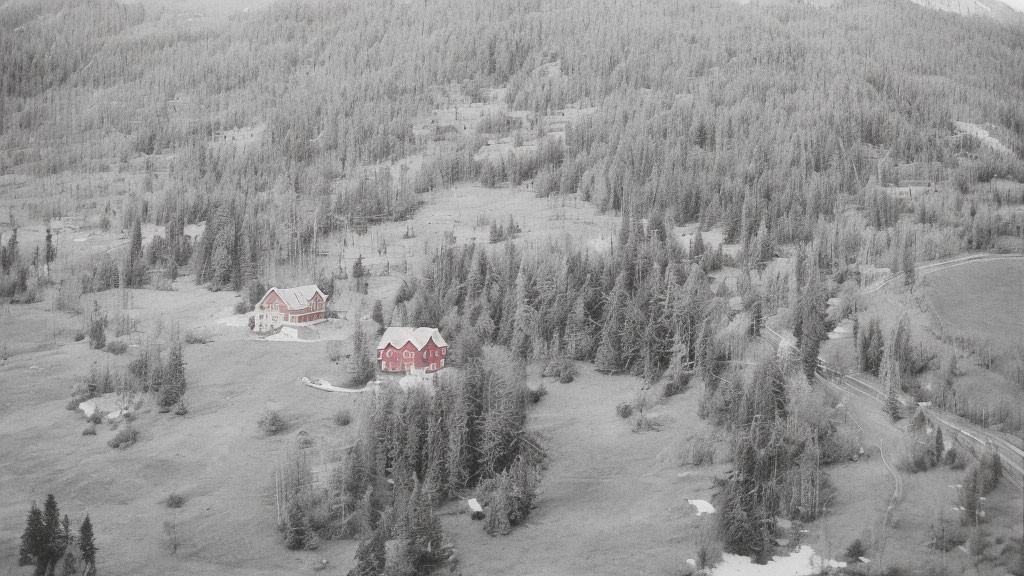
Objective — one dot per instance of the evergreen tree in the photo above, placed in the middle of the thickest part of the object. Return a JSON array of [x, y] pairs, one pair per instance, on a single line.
[[908, 261], [371, 554], [579, 338], [358, 271], [363, 366], [135, 266], [33, 539], [609, 351], [173, 383], [378, 314], [893, 407], [813, 314], [86, 543], [50, 251], [9, 258]]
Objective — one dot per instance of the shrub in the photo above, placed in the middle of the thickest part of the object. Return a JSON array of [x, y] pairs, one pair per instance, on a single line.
[[946, 535], [954, 459], [990, 470], [174, 500], [677, 383], [97, 328], [342, 418], [125, 438], [536, 394], [124, 324], [334, 351], [89, 430], [509, 497], [969, 496], [562, 368], [271, 423], [624, 410], [304, 440], [855, 551], [117, 347], [241, 307], [196, 337], [702, 451], [78, 337]]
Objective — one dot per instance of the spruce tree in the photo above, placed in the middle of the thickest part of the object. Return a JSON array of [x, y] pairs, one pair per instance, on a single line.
[[50, 252], [86, 543], [609, 352], [813, 314], [363, 365], [892, 402], [33, 539], [173, 383]]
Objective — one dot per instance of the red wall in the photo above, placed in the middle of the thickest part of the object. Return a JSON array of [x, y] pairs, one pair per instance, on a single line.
[[398, 362]]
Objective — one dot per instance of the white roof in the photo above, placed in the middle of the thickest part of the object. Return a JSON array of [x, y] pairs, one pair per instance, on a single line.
[[298, 297], [398, 336]]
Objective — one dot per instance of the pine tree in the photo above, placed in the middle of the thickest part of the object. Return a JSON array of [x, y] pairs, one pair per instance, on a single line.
[[358, 271], [50, 251], [813, 314], [908, 260], [378, 313], [51, 549], [363, 366], [173, 382], [86, 543], [609, 352], [33, 539], [579, 338], [135, 267], [892, 402]]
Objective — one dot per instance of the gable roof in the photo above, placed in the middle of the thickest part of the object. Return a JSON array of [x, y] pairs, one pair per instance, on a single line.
[[398, 336], [298, 297]]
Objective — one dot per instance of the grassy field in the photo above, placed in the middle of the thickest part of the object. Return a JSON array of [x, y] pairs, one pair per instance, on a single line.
[[611, 501], [981, 299]]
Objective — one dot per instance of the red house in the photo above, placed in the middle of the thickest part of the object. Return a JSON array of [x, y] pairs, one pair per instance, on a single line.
[[408, 349], [279, 306]]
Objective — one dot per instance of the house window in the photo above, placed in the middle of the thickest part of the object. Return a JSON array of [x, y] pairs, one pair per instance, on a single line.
[[407, 354], [433, 366], [382, 365], [390, 352], [425, 352]]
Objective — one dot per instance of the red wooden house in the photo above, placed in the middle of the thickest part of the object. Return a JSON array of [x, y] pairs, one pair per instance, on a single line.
[[407, 349], [280, 306]]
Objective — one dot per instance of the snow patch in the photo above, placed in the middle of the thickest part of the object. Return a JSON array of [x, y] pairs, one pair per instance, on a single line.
[[326, 386], [803, 562], [702, 506], [983, 135]]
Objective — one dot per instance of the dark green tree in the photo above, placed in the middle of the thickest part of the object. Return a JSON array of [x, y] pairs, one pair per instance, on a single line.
[[86, 543], [33, 539], [363, 366]]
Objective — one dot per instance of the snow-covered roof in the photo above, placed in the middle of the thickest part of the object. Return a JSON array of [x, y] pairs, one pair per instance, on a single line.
[[298, 297], [398, 336]]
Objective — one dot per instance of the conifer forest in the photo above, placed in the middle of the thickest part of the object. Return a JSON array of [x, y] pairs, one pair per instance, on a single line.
[[455, 287]]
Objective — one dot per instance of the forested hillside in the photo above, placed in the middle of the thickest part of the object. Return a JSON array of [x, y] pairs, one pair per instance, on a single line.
[[711, 170], [705, 111]]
